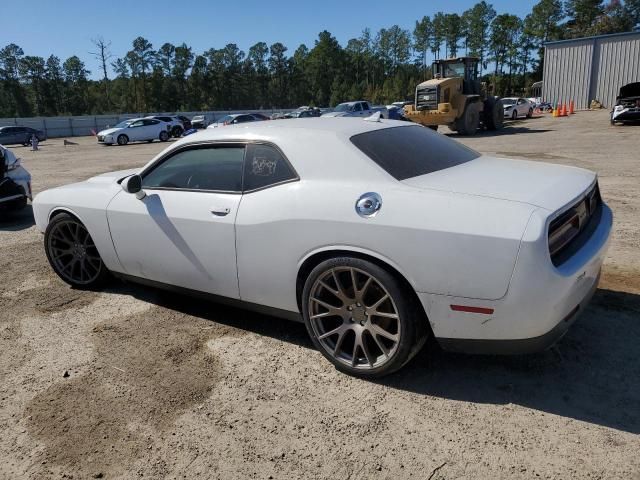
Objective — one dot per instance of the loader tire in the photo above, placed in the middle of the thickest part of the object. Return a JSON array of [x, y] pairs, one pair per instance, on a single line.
[[493, 114], [468, 123]]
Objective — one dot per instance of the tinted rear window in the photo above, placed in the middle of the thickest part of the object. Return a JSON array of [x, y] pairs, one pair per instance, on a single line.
[[406, 152]]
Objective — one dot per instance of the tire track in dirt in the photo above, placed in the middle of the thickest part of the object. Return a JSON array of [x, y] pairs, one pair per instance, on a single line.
[[148, 369]]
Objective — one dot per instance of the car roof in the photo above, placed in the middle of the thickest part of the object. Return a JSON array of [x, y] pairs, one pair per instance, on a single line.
[[317, 147]]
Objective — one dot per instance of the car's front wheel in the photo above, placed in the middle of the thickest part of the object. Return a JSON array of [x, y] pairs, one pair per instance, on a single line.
[[514, 115], [176, 132], [72, 253], [123, 139], [164, 136], [361, 317]]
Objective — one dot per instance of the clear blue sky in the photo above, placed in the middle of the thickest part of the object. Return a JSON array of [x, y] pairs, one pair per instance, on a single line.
[[65, 27]]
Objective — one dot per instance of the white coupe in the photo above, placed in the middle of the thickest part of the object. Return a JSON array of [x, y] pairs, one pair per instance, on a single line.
[[376, 234], [135, 130]]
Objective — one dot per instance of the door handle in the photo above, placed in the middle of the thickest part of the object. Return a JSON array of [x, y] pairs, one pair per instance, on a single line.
[[220, 211]]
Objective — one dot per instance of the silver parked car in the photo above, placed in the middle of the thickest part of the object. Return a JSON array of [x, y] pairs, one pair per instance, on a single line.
[[12, 135], [515, 107]]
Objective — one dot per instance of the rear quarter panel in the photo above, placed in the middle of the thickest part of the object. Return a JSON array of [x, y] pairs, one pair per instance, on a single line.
[[442, 243]]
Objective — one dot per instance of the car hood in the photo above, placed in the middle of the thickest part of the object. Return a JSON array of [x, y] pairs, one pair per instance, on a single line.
[[111, 177], [109, 131], [535, 183]]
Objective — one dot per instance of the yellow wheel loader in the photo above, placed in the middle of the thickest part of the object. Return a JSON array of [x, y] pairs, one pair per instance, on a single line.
[[455, 97]]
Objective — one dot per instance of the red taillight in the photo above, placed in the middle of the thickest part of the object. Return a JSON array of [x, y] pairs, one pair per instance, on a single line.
[[469, 309]]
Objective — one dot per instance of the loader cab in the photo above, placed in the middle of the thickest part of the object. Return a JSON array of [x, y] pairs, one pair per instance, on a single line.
[[465, 68]]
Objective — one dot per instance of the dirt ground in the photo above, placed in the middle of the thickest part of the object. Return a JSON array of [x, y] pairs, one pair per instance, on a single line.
[[132, 382]]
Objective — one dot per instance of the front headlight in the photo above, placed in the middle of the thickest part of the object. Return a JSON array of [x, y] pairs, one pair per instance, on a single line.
[[14, 165]]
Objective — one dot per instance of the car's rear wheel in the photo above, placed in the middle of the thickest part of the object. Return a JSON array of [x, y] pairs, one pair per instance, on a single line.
[[123, 139], [176, 132], [361, 317], [72, 253], [164, 136], [530, 113]]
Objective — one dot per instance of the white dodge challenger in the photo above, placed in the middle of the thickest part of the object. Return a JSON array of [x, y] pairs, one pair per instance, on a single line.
[[376, 234]]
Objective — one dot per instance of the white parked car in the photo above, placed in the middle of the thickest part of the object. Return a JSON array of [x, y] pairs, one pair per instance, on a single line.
[[174, 124], [356, 109], [515, 107], [15, 182], [135, 130], [376, 234]]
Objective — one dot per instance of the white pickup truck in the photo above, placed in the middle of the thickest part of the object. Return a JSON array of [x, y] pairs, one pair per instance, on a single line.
[[356, 109]]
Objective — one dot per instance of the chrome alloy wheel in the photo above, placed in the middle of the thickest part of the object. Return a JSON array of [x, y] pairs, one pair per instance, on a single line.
[[354, 318], [73, 253]]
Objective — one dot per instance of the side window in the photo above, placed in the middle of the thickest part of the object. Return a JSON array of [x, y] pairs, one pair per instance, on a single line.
[[264, 166], [150, 122], [139, 123], [357, 107], [243, 119], [204, 168], [365, 106]]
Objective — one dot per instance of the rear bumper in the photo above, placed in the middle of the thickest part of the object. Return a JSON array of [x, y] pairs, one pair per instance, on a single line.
[[519, 346], [542, 300]]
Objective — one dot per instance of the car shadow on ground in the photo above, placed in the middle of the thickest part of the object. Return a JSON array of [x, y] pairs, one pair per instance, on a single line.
[[16, 221], [591, 375]]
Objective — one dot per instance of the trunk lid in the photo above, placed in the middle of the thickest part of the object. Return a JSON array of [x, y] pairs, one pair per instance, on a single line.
[[535, 183]]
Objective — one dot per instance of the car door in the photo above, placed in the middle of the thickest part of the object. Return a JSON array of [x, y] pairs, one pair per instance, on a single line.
[[183, 231], [152, 128], [522, 106], [135, 131]]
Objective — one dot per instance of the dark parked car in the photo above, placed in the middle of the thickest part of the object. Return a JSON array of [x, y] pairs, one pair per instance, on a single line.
[[627, 108], [20, 135], [186, 123], [235, 118]]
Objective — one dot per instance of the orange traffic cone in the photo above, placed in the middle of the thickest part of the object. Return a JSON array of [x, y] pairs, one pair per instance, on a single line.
[[571, 108], [563, 110]]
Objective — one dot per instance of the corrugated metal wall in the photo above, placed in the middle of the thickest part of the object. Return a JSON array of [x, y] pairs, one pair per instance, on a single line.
[[566, 73], [619, 65], [590, 68]]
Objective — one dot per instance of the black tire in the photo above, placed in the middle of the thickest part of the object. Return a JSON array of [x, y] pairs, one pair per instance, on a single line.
[[72, 254], [468, 123], [410, 322], [493, 114], [176, 132], [530, 113], [164, 136], [514, 114], [122, 139]]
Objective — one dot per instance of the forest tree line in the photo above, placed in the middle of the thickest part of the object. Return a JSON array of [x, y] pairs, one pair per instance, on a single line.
[[381, 66]]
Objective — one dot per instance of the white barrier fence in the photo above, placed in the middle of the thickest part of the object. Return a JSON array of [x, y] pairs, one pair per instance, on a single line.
[[88, 124]]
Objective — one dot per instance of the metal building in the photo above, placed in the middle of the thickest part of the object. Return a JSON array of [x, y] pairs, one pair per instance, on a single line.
[[590, 68]]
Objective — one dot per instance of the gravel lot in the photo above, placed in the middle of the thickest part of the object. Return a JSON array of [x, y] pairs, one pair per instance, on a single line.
[[132, 382]]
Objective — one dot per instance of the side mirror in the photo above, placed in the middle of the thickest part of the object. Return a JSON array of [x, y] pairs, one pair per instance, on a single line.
[[133, 184]]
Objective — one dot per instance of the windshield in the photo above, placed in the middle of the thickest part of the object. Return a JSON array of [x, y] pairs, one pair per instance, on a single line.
[[406, 152], [123, 124], [508, 101], [454, 70], [344, 107], [198, 117]]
